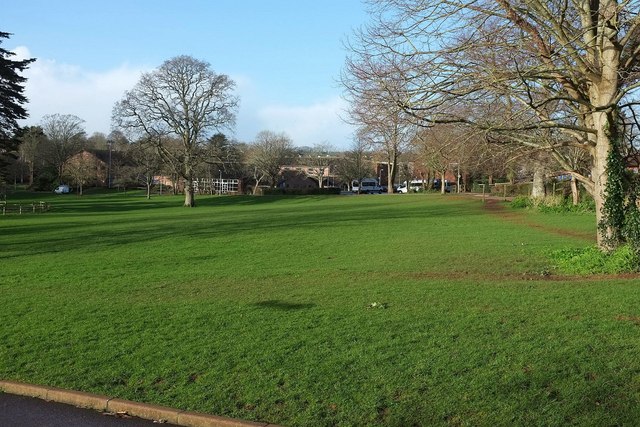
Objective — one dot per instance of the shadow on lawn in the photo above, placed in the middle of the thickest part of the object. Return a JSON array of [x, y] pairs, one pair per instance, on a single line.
[[207, 222], [283, 305], [122, 203]]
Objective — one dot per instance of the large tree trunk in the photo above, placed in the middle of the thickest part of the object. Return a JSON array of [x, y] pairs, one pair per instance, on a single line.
[[442, 175], [603, 96], [189, 194], [538, 191], [189, 198], [599, 174], [575, 193], [393, 171]]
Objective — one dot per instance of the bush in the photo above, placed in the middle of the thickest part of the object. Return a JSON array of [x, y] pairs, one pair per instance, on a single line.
[[45, 181], [592, 260], [631, 229], [555, 204], [521, 202]]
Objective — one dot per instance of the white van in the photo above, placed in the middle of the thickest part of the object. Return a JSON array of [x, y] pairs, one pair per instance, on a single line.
[[366, 186], [413, 186], [62, 189]]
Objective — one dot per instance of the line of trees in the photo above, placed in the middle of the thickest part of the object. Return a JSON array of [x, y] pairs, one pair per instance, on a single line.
[[44, 161], [555, 81]]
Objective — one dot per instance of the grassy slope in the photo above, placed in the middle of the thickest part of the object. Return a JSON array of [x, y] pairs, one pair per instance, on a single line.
[[256, 308]]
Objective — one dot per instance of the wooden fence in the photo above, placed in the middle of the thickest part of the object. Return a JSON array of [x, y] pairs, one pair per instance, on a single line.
[[24, 208]]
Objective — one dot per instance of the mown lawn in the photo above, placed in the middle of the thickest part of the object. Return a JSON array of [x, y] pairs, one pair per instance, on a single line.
[[257, 308]]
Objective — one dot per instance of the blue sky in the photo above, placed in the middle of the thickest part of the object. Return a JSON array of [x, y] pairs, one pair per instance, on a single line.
[[284, 55]]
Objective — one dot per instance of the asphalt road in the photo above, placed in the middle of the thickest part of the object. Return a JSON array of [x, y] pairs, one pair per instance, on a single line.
[[22, 411]]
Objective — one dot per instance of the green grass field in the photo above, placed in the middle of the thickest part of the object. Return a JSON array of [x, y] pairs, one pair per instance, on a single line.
[[258, 308]]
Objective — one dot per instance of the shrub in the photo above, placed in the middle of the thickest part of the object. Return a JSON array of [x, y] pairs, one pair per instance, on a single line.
[[45, 181], [631, 229], [521, 202], [555, 204], [587, 204], [591, 260]]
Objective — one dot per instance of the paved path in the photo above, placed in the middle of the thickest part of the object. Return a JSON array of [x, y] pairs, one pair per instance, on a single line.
[[22, 411]]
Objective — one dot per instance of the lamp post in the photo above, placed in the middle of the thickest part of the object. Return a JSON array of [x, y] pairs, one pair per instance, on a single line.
[[110, 143]]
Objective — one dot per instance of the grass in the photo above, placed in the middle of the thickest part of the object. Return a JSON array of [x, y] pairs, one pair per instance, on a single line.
[[259, 308]]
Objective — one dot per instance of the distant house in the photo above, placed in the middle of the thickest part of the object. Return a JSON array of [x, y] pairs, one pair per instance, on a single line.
[[168, 182], [329, 179], [296, 180]]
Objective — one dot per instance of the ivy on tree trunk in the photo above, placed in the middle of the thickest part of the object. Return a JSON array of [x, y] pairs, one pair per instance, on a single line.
[[620, 221]]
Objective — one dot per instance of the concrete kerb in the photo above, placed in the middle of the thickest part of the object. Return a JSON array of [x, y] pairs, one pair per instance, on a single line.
[[141, 410], [111, 404]]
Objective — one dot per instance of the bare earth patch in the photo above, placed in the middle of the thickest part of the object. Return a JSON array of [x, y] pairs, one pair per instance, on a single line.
[[494, 207]]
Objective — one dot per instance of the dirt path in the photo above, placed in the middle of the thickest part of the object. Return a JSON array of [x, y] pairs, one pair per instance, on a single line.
[[494, 207], [515, 277]]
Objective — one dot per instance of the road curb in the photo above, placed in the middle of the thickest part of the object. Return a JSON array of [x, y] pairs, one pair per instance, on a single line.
[[136, 409]]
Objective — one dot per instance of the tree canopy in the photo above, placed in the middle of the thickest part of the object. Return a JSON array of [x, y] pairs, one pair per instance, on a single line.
[[12, 100]]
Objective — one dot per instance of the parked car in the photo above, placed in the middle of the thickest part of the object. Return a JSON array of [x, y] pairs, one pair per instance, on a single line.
[[437, 184], [62, 189]]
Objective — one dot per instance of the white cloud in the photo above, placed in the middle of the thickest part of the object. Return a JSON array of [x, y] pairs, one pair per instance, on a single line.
[[311, 124], [21, 52], [53, 87]]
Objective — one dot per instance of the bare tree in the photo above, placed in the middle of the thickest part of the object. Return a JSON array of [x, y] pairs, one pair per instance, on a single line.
[[375, 97], [182, 99], [65, 137], [354, 166], [577, 160], [147, 163], [267, 154], [319, 162], [567, 66], [81, 169], [439, 147]]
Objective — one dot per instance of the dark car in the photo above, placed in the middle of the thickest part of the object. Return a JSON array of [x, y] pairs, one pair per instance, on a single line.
[[437, 184]]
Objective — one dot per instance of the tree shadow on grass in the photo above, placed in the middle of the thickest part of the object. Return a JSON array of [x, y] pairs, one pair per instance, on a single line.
[[79, 231], [283, 305]]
